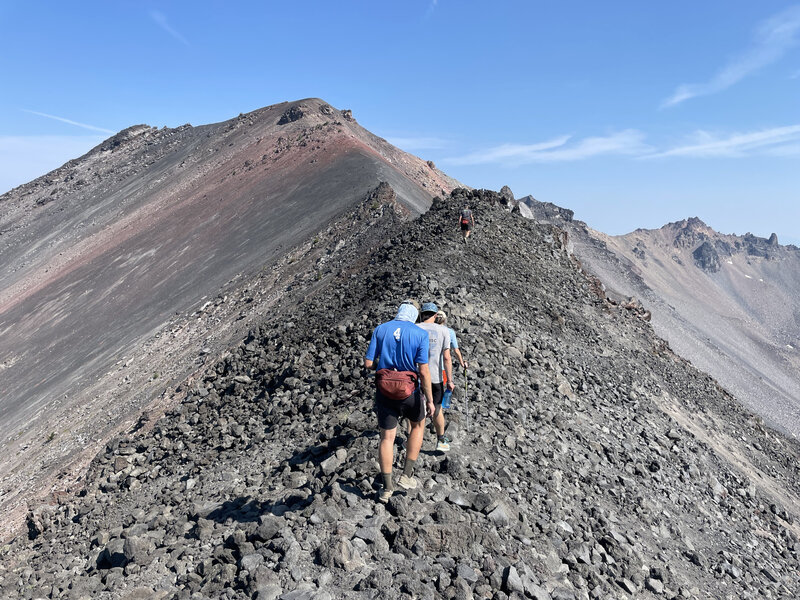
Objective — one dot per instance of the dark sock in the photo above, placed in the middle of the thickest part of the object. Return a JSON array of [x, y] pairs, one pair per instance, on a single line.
[[408, 469], [387, 481]]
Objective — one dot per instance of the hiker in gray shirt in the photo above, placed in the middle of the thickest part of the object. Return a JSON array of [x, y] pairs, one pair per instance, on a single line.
[[439, 351], [466, 221]]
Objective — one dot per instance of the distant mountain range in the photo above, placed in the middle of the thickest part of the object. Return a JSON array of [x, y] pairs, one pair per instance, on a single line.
[[728, 303]]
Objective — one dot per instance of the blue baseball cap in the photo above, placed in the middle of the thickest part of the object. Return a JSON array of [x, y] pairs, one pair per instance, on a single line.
[[412, 302], [430, 307]]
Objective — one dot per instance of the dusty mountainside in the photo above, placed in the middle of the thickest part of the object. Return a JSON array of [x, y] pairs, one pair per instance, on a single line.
[[127, 269], [730, 304], [588, 461]]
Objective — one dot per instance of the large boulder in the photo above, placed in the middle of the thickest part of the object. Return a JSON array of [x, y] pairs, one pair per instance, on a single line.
[[292, 114]]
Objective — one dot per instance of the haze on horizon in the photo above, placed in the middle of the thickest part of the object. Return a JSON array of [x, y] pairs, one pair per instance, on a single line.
[[633, 115]]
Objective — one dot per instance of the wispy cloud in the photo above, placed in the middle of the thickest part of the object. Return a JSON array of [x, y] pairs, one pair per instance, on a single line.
[[628, 142], [418, 143], [431, 7], [772, 39], [778, 141], [70, 121], [161, 20]]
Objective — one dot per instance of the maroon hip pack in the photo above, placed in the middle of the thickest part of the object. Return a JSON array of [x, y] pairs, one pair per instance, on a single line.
[[395, 385]]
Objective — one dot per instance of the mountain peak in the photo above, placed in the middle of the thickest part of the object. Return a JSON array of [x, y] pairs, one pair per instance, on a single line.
[[312, 107], [689, 233], [695, 223]]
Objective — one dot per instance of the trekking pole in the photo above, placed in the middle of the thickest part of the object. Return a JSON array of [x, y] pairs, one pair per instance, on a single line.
[[466, 397]]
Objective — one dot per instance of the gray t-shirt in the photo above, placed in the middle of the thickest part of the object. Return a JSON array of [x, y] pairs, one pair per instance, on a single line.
[[439, 342]]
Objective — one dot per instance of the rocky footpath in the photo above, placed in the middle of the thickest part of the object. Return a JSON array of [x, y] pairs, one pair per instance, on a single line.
[[588, 460]]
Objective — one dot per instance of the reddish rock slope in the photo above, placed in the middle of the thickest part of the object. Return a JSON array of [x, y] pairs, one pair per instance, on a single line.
[[101, 254]]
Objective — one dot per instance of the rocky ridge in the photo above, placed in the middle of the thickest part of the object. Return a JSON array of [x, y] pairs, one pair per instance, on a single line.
[[142, 383], [127, 269], [589, 461]]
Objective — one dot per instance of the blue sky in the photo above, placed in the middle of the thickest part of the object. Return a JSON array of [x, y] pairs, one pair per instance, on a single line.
[[631, 113]]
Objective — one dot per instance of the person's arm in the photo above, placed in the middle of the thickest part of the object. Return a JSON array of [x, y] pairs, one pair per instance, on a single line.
[[454, 346], [448, 368], [370, 360], [425, 380], [461, 360]]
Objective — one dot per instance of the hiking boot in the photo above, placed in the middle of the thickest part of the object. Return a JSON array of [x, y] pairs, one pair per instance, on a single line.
[[384, 495], [407, 483], [443, 445]]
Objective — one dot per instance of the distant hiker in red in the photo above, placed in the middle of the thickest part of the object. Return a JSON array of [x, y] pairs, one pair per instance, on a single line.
[[399, 351], [466, 221]]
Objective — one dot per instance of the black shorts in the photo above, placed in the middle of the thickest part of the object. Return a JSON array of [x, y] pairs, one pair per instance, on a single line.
[[466, 226], [389, 411], [438, 393]]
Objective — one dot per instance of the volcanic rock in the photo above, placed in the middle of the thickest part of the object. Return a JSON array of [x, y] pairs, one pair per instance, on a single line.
[[165, 246], [585, 513], [706, 257], [507, 196]]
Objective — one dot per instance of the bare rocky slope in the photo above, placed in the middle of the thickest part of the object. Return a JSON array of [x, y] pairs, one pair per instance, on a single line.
[[127, 269], [730, 304], [589, 461]]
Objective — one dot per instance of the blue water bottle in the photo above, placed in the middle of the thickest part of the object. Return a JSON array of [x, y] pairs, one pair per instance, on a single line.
[[446, 398]]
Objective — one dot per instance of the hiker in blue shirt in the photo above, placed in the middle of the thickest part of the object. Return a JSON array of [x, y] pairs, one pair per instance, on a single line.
[[398, 350], [441, 319]]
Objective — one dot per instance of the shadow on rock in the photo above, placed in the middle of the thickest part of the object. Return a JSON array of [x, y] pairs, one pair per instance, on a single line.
[[248, 510]]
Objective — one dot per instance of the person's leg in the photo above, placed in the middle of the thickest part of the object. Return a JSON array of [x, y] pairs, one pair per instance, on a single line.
[[438, 418], [385, 459], [407, 481], [438, 421], [415, 413], [386, 450], [387, 424], [415, 440], [438, 393], [442, 442]]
